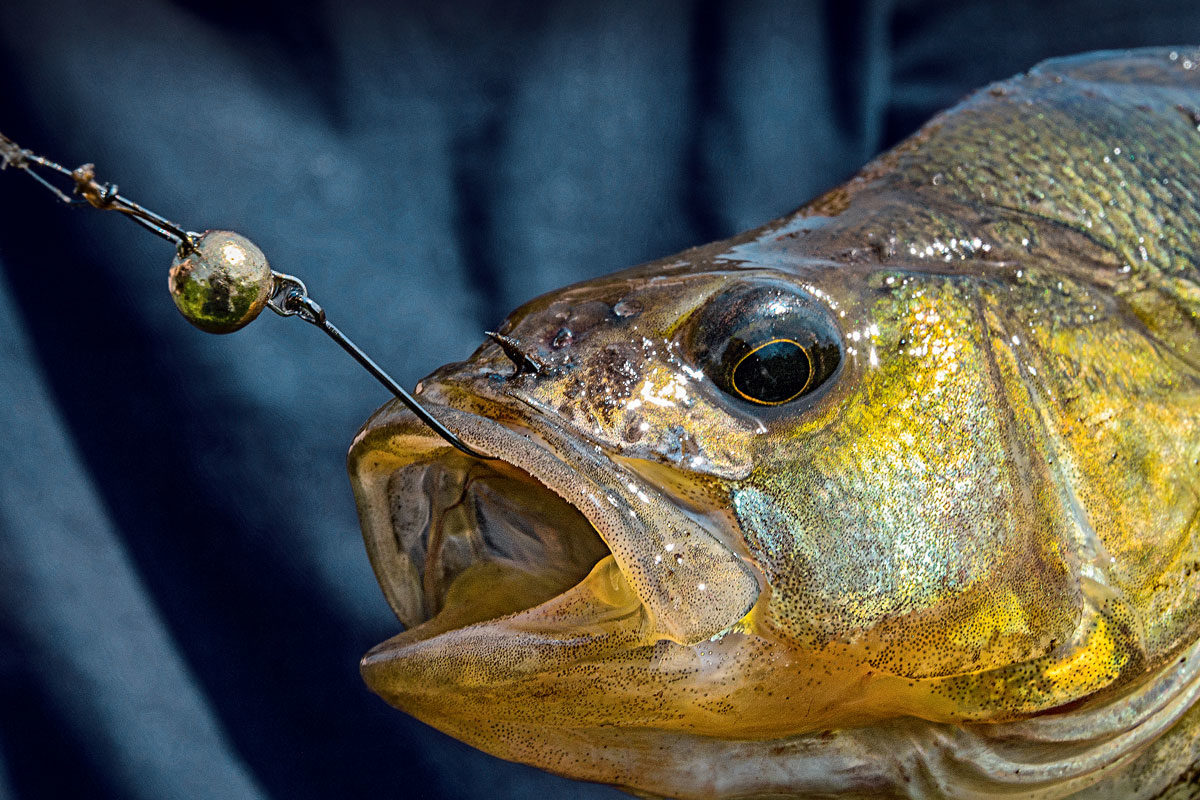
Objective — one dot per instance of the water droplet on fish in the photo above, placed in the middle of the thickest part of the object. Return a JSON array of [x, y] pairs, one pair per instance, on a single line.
[[627, 308]]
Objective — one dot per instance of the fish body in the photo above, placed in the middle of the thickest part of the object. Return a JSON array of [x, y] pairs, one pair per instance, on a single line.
[[894, 496]]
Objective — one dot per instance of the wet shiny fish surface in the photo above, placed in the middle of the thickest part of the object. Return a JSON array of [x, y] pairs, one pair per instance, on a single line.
[[895, 496]]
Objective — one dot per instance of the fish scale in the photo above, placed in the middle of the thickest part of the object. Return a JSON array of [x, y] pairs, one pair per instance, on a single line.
[[987, 159]]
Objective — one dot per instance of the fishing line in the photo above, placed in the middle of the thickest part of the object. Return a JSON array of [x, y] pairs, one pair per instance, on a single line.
[[220, 280]]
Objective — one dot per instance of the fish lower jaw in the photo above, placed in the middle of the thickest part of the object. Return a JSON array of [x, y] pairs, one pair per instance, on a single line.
[[429, 670], [1135, 746]]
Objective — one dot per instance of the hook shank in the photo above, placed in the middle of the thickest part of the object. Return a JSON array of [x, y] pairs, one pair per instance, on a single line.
[[290, 298]]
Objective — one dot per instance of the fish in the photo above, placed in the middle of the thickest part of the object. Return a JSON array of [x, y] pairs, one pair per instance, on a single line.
[[895, 496]]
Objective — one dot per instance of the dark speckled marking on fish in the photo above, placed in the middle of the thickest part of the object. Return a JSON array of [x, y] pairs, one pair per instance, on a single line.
[[948, 550]]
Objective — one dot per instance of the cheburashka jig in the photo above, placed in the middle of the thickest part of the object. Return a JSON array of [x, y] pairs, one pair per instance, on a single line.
[[220, 280]]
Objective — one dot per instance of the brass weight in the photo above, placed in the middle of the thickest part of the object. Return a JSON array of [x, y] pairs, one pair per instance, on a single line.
[[222, 283]]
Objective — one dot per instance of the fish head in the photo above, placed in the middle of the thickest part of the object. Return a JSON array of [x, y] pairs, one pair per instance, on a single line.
[[725, 499], [801, 510]]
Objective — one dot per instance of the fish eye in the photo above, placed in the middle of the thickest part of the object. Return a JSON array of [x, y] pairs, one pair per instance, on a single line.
[[766, 344]]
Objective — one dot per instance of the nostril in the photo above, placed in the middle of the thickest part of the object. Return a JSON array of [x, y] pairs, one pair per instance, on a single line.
[[525, 362], [563, 338]]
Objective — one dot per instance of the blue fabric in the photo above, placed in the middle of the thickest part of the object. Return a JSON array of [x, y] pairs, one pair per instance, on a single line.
[[184, 595]]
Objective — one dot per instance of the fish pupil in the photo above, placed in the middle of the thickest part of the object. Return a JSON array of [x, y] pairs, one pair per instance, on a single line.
[[773, 373]]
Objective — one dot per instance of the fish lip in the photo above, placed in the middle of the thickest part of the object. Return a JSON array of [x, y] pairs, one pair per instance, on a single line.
[[582, 475]]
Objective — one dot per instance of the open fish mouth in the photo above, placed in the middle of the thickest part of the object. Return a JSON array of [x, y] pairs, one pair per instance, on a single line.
[[472, 540], [555, 598], [457, 541]]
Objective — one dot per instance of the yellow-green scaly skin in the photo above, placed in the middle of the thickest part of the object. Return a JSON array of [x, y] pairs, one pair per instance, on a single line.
[[974, 554]]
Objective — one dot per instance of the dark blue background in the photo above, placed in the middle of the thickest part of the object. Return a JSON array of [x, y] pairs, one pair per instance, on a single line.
[[183, 591]]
